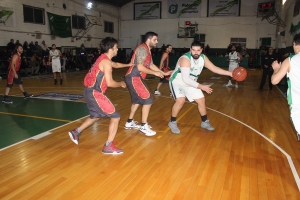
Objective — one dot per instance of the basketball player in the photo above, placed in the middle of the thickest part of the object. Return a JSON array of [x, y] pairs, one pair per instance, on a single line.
[[96, 82], [291, 68], [134, 78], [183, 84], [55, 55], [164, 66], [234, 58], [13, 75]]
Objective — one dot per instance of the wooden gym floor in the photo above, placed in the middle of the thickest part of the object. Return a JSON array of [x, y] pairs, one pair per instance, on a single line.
[[252, 154]]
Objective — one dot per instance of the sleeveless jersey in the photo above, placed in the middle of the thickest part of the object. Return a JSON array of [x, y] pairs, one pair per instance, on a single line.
[[293, 92], [166, 63], [18, 63], [232, 58], [195, 70], [133, 70], [55, 55], [95, 77]]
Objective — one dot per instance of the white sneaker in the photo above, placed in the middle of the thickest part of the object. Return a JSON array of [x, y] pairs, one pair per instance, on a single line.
[[157, 92], [228, 84], [236, 85], [132, 125], [146, 130]]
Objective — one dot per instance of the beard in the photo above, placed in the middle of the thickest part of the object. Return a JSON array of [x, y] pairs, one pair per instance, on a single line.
[[152, 45], [195, 56]]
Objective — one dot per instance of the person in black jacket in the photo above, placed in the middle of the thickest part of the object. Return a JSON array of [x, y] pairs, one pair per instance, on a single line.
[[266, 62]]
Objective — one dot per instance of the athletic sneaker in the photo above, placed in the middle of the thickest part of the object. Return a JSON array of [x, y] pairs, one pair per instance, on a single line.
[[298, 136], [207, 125], [236, 85], [147, 130], [26, 95], [171, 94], [111, 149], [157, 92], [228, 84], [174, 128], [132, 125], [6, 100], [73, 136]]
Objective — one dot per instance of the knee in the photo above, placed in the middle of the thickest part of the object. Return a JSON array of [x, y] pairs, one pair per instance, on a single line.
[[180, 102]]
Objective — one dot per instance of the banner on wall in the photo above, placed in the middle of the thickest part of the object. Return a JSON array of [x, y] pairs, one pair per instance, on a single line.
[[60, 25], [184, 8], [147, 10], [223, 8], [6, 16]]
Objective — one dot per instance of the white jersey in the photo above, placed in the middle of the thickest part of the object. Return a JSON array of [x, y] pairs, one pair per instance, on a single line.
[[55, 55], [293, 92], [195, 70], [233, 57]]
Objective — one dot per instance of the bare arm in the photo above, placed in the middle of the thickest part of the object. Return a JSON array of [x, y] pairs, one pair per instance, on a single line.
[[13, 65], [209, 65], [163, 58], [106, 67], [240, 56], [280, 70], [120, 65]]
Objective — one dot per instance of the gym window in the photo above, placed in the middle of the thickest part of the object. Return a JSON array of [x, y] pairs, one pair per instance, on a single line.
[[78, 22], [108, 27], [33, 15]]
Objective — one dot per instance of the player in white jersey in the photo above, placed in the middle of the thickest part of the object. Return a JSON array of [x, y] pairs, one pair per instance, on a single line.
[[55, 55], [291, 68], [183, 84], [234, 58]]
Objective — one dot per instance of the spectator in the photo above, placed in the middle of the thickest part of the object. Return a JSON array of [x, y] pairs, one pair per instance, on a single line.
[[10, 46], [44, 48], [38, 48], [207, 49]]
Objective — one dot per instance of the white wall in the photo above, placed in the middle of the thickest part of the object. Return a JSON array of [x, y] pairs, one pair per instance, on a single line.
[[218, 30], [26, 31]]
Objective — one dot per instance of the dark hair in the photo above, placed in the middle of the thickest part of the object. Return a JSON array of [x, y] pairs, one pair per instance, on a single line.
[[197, 43], [149, 35], [107, 43], [16, 47], [168, 45], [297, 39], [53, 45]]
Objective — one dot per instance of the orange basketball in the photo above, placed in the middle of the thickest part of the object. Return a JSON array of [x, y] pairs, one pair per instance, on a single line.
[[239, 74]]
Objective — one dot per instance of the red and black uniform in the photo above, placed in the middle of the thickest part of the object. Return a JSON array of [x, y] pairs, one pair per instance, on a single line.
[[139, 91], [165, 68], [10, 73], [98, 103]]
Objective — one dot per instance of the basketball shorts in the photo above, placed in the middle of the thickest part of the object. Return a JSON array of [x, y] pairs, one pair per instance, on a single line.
[[56, 66], [139, 92], [99, 104], [178, 90], [295, 116], [11, 78], [232, 67]]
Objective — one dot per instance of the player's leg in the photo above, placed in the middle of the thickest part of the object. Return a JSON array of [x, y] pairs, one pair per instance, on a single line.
[[157, 92], [263, 79], [131, 124], [295, 118], [19, 82], [202, 110], [61, 78], [109, 147]]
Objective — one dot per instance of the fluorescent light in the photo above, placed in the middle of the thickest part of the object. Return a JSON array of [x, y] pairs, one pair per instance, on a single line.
[[89, 5]]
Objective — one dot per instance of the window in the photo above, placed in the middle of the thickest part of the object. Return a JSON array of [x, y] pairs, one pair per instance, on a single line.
[[265, 41], [78, 22], [33, 15], [108, 27], [296, 8]]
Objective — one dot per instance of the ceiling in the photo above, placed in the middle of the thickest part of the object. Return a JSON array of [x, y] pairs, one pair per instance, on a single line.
[[117, 3]]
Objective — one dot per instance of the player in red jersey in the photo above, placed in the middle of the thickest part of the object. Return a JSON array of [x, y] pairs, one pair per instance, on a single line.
[[164, 66], [134, 78], [96, 82], [13, 75]]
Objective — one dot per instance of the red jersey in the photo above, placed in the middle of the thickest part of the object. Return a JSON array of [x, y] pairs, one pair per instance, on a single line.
[[18, 63], [165, 67], [95, 77], [133, 70]]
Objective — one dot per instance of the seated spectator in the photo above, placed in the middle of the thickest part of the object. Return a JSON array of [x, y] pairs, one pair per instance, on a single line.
[[38, 48], [45, 48], [10, 46], [33, 64]]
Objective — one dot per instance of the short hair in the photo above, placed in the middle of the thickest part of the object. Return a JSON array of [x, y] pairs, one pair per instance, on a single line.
[[297, 39], [53, 45], [168, 45], [107, 43], [16, 47], [149, 35], [197, 43]]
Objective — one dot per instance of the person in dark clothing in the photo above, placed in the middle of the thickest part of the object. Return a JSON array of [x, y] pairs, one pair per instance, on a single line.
[[10, 46], [266, 62]]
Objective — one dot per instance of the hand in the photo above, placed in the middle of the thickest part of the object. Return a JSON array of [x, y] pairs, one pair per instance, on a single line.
[[130, 64], [266, 66], [276, 66], [123, 85], [206, 88], [159, 74], [16, 76], [168, 73]]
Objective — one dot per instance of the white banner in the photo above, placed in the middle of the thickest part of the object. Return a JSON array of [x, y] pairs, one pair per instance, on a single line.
[[184, 8], [223, 8], [6, 18], [149, 10]]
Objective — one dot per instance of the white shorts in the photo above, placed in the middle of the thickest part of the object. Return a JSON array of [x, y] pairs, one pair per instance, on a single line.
[[232, 67], [295, 116], [191, 93], [56, 66]]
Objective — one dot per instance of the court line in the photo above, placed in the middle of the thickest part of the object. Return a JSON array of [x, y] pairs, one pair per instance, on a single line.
[[37, 117]]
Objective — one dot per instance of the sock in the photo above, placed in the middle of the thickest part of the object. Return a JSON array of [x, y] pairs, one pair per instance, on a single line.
[[229, 82], [78, 130], [173, 119], [107, 143], [129, 120], [204, 118], [24, 93], [142, 124]]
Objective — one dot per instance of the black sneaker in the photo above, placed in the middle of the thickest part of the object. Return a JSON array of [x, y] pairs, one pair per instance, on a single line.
[[298, 136], [61, 81], [6, 101], [26, 95]]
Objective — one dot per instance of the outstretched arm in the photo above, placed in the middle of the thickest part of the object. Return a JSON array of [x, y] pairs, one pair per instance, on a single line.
[[209, 65], [120, 65]]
